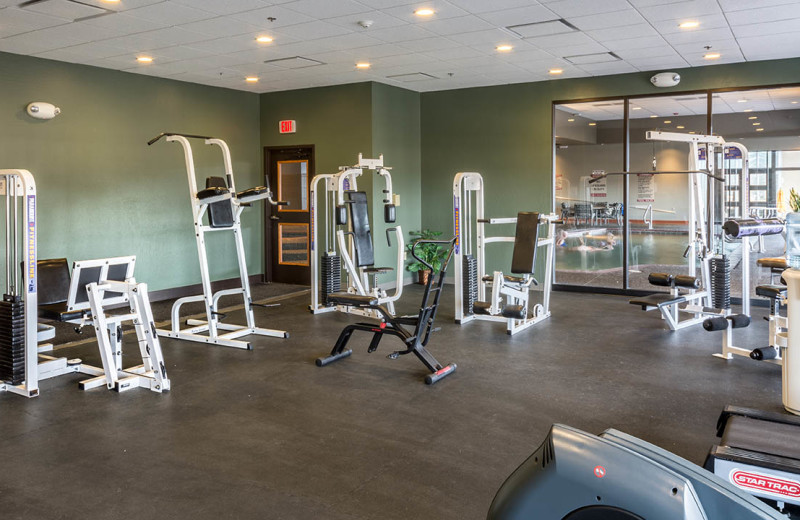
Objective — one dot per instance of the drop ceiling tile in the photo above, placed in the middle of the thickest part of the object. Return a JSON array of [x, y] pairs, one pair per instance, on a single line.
[[380, 21], [525, 56], [697, 60], [404, 33], [738, 5], [272, 17], [622, 33], [221, 27], [659, 63], [378, 51], [135, 43], [64, 9], [764, 14], [551, 43], [604, 69], [703, 36], [76, 32], [11, 16], [482, 6], [606, 20], [224, 7], [680, 10], [32, 43], [349, 41], [338, 58], [180, 52], [715, 45], [429, 44], [458, 25], [571, 8], [170, 13], [782, 45], [66, 54], [123, 5], [402, 59], [323, 9], [312, 30], [760, 29], [709, 21], [590, 47], [634, 43], [658, 51], [173, 36], [227, 45], [455, 53], [94, 50], [520, 15], [489, 37], [123, 24]]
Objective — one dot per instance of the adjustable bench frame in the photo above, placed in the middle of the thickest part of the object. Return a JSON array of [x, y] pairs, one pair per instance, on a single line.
[[468, 224], [415, 340], [670, 304], [339, 248], [212, 331]]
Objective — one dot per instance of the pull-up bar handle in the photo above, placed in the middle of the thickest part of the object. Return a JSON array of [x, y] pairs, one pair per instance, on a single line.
[[672, 172], [167, 134]]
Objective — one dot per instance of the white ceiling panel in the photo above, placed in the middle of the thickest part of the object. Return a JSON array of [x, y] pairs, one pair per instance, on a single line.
[[196, 40]]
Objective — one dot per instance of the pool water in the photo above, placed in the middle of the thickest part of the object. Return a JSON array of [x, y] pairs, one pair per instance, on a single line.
[[645, 249]]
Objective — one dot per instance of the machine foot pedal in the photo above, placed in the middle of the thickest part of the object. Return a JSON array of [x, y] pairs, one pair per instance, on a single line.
[[760, 354], [321, 362]]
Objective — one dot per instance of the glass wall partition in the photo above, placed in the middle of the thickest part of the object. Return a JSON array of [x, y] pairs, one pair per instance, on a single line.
[[589, 143]]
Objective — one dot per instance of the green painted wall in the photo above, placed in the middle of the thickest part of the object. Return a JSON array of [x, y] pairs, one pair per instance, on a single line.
[[102, 191], [396, 135], [504, 132]]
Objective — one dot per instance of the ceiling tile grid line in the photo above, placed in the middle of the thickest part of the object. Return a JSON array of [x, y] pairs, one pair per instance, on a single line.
[[462, 43]]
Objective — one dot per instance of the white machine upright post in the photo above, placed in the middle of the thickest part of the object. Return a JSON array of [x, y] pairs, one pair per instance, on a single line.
[[332, 189], [791, 354], [208, 331]]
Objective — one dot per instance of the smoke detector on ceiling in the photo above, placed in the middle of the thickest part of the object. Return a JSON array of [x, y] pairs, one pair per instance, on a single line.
[[366, 24]]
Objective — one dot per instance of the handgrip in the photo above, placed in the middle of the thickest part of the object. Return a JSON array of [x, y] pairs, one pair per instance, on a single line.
[[389, 236]]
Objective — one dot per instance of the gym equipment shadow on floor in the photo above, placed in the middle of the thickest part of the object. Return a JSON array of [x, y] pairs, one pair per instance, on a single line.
[[265, 434]]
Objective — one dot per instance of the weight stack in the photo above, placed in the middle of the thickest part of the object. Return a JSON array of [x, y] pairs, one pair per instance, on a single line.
[[12, 340], [470, 282], [721, 282], [330, 276]]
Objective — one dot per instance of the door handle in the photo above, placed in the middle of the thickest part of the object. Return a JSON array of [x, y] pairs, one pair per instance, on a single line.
[[273, 217]]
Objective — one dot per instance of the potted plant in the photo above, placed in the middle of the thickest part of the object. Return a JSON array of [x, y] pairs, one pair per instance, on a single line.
[[434, 254]]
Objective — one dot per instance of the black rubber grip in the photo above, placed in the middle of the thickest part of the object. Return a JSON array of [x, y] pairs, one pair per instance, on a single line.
[[712, 324], [684, 280], [760, 354], [389, 213], [739, 321], [660, 279], [167, 134], [282, 203], [341, 215]]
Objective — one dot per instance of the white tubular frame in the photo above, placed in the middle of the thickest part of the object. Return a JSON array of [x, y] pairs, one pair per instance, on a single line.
[[20, 183], [358, 282], [464, 184], [208, 331]]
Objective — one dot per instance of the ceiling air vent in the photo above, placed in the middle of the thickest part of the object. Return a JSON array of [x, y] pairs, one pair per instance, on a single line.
[[598, 57], [295, 62], [70, 9], [615, 104], [549, 28], [414, 76]]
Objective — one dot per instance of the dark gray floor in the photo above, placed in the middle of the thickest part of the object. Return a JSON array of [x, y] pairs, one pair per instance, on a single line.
[[266, 434]]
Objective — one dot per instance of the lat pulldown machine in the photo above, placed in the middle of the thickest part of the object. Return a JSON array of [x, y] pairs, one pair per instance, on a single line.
[[509, 295], [353, 238], [223, 206]]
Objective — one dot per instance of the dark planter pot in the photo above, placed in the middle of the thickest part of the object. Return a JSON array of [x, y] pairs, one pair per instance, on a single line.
[[422, 276]]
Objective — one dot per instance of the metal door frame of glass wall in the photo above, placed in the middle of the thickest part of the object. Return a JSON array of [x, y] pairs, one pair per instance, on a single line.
[[626, 290]]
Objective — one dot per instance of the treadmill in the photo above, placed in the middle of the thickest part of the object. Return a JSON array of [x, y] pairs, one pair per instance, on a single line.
[[575, 475], [759, 452]]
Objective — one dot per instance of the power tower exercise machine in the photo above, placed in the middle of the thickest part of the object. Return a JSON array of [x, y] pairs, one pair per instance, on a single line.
[[575, 475], [223, 206], [348, 242], [509, 296], [692, 298]]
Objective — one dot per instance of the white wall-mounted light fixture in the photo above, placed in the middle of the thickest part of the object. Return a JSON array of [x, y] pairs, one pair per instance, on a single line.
[[666, 79], [42, 110]]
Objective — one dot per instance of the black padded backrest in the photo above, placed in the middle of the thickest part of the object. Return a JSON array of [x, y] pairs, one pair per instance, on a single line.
[[523, 260], [362, 235], [220, 214], [52, 285]]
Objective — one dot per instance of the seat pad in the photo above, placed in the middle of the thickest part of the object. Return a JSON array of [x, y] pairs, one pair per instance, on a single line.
[[58, 312], [773, 263], [358, 300], [657, 300], [211, 192], [771, 291]]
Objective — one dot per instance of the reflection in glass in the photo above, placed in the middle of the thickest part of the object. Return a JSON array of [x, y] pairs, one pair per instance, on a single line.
[[293, 185]]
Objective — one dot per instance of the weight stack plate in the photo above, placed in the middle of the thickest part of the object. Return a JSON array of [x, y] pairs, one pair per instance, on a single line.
[[12, 340], [721, 282], [470, 282], [330, 277]]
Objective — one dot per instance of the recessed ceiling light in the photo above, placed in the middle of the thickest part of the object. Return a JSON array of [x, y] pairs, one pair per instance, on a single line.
[[636, 108], [251, 79], [743, 100], [756, 124], [111, 1], [794, 102], [759, 129], [571, 119], [680, 127], [753, 117], [504, 48], [144, 59], [667, 122], [653, 116], [555, 71], [748, 110], [592, 124], [711, 55], [362, 65], [264, 39], [689, 25], [425, 11], [692, 132]]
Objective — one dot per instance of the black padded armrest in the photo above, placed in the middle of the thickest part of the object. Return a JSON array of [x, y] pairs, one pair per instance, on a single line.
[[378, 269], [211, 192], [252, 193], [356, 300], [59, 312], [771, 291]]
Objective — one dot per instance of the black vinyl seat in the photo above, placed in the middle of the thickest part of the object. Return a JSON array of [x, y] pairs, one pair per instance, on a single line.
[[771, 291], [52, 289]]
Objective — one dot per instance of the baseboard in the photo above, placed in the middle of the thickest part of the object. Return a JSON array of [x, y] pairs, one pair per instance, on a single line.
[[190, 290]]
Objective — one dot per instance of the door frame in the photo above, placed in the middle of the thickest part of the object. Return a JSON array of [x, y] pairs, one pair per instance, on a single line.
[[268, 252]]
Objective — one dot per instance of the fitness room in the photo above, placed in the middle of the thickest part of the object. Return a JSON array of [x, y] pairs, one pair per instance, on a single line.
[[456, 259]]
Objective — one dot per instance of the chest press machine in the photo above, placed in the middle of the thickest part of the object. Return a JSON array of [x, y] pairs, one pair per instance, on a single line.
[[348, 242], [223, 206], [509, 296]]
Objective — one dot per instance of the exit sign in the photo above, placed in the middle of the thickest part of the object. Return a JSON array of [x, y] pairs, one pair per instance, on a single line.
[[288, 127]]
